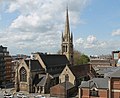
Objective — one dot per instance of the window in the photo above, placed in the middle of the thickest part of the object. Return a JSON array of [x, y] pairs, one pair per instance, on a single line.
[[23, 75], [66, 77], [94, 93]]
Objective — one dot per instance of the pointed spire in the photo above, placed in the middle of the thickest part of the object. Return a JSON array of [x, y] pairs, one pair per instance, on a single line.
[[67, 41], [67, 29], [71, 37]]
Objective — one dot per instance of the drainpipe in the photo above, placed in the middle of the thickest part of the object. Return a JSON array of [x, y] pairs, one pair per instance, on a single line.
[[109, 86]]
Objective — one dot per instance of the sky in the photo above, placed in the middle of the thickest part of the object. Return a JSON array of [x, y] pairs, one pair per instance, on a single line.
[[28, 26]]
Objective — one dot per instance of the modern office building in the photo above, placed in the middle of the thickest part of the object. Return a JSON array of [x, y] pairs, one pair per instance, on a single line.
[[5, 66]]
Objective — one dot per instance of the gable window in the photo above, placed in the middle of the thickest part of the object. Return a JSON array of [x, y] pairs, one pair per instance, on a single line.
[[94, 93], [23, 75], [66, 77]]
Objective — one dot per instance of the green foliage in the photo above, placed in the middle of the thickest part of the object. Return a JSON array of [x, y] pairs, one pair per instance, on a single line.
[[80, 58], [84, 59], [76, 56]]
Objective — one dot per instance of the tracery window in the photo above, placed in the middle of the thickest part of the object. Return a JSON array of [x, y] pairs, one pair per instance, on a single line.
[[23, 75]]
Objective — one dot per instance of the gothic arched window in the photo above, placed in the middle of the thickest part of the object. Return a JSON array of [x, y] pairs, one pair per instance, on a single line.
[[23, 75]]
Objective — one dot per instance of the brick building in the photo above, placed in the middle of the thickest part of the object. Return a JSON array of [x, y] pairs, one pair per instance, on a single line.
[[100, 62], [114, 84], [72, 77], [94, 88], [108, 87], [5, 66], [62, 90], [115, 55]]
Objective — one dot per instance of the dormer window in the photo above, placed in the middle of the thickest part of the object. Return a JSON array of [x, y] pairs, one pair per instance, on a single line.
[[94, 92]]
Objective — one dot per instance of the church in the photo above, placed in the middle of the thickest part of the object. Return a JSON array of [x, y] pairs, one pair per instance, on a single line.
[[67, 41], [40, 72]]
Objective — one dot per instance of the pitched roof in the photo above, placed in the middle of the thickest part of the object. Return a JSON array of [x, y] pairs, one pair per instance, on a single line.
[[67, 85], [43, 81], [80, 70], [39, 80], [114, 73], [103, 70], [51, 60], [99, 82], [34, 64]]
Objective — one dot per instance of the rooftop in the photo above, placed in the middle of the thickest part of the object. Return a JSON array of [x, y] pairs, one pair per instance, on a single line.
[[98, 82]]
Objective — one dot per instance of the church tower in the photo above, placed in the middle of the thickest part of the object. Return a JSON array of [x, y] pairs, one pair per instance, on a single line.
[[67, 41]]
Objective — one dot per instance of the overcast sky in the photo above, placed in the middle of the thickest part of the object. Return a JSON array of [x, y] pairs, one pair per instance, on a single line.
[[36, 25]]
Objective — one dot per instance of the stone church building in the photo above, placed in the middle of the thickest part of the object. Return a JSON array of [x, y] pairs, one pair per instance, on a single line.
[[67, 41], [40, 72]]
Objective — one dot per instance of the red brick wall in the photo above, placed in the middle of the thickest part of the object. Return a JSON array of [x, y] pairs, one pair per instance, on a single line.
[[115, 95], [85, 93], [115, 84], [103, 93], [115, 87], [57, 91]]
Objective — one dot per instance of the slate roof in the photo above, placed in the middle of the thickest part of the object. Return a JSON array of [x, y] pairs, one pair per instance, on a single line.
[[52, 60], [99, 82], [103, 70], [43, 81], [34, 64], [80, 70], [39, 81], [115, 73], [67, 85]]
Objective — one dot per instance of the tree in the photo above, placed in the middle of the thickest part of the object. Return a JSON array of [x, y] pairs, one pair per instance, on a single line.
[[80, 58], [84, 59], [76, 57]]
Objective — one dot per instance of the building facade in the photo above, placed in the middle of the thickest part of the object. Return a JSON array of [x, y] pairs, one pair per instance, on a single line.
[[29, 75], [62, 90], [67, 41], [108, 87], [114, 83], [5, 66], [39, 73], [94, 88], [75, 74]]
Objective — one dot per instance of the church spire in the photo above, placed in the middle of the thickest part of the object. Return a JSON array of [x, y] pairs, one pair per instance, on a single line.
[[67, 43], [67, 29]]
